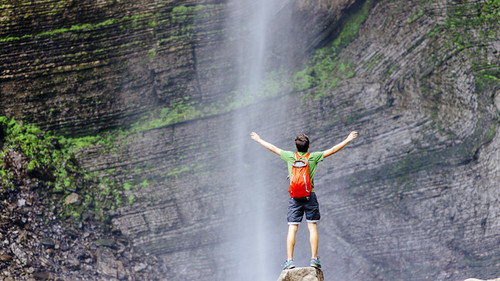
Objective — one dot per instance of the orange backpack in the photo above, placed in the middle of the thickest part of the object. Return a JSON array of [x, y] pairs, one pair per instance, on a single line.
[[300, 180]]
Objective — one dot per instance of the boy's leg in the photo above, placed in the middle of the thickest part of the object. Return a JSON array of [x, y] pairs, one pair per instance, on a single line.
[[313, 216], [313, 238], [290, 240], [294, 217]]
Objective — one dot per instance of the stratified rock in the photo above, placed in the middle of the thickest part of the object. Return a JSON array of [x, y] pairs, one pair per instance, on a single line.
[[421, 178], [20, 254], [42, 275], [5, 258], [73, 199], [140, 267], [21, 202], [121, 270], [106, 263], [301, 274], [105, 243], [15, 161], [48, 242], [36, 246]]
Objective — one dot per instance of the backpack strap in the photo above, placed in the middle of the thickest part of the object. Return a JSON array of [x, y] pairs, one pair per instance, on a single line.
[[297, 156]]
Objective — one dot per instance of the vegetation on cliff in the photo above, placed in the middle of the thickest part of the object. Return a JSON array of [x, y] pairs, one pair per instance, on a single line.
[[33, 157], [54, 221], [325, 68], [127, 98]]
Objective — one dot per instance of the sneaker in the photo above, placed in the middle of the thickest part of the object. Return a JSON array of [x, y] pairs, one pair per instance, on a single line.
[[315, 263], [288, 264]]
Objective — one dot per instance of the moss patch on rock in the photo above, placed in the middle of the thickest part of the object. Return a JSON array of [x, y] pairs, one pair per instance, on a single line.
[[32, 157]]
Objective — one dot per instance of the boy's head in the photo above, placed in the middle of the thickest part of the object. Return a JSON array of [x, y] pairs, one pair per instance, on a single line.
[[302, 143]]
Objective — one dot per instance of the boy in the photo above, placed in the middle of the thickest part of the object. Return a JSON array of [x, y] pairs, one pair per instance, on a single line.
[[309, 206]]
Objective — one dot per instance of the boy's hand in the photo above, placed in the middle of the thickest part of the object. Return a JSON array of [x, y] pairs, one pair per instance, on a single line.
[[352, 135], [254, 136], [264, 143]]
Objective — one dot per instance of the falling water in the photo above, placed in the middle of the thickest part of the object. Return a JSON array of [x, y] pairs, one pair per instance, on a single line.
[[252, 245]]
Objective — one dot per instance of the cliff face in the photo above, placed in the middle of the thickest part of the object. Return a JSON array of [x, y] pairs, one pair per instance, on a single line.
[[414, 197]]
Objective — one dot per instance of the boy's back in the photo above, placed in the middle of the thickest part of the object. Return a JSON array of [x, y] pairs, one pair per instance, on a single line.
[[308, 206]]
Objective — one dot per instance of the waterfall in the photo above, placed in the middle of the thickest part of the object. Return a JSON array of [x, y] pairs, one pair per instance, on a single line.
[[252, 246]]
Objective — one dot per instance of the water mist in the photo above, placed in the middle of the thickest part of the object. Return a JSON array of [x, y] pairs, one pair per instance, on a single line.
[[252, 235]]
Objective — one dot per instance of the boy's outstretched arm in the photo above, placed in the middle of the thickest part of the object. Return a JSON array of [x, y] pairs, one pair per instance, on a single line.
[[265, 144], [341, 145]]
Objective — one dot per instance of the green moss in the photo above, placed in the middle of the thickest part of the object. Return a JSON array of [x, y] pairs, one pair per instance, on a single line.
[[54, 157], [152, 53], [416, 16], [474, 14], [177, 170], [391, 70], [455, 36], [182, 10], [325, 69], [179, 111], [350, 29], [144, 183], [32, 165], [180, 14], [127, 186], [8, 39], [76, 144], [493, 129], [303, 80], [488, 76]]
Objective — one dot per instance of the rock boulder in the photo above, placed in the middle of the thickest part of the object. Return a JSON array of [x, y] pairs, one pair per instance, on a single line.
[[301, 274]]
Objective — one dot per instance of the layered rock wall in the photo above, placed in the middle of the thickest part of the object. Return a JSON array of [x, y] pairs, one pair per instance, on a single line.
[[413, 197]]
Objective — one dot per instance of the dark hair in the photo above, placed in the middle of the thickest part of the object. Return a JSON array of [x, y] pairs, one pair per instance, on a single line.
[[302, 143]]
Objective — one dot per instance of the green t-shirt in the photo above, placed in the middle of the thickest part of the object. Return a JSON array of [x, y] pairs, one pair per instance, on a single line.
[[314, 158]]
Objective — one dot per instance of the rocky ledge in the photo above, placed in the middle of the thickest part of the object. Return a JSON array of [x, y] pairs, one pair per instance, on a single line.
[[301, 274], [38, 246], [37, 243]]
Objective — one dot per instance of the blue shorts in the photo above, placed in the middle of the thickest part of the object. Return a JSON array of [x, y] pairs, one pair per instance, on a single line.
[[297, 208]]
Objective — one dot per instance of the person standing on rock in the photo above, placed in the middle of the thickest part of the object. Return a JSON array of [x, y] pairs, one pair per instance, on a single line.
[[308, 205]]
